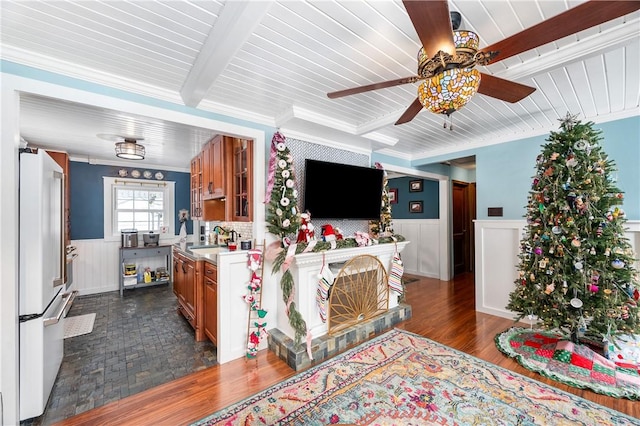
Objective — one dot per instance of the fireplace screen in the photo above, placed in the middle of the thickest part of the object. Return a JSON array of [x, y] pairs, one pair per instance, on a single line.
[[359, 292]]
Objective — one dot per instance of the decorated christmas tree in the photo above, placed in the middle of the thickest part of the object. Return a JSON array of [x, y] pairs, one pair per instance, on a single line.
[[383, 227], [283, 217], [575, 267]]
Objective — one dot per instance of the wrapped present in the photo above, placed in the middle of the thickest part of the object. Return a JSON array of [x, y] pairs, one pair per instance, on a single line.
[[623, 348]]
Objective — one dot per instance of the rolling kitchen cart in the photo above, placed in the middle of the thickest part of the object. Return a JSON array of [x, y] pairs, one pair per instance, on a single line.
[[133, 256]]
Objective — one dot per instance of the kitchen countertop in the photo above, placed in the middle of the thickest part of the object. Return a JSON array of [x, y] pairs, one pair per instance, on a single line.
[[207, 253]]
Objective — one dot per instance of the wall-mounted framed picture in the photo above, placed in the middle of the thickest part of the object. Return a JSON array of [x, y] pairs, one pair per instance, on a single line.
[[393, 195], [415, 185], [415, 206]]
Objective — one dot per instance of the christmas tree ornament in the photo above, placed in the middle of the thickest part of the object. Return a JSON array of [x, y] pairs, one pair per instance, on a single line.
[[578, 266], [537, 251], [582, 326], [549, 289], [576, 242], [617, 264], [576, 303], [581, 144]]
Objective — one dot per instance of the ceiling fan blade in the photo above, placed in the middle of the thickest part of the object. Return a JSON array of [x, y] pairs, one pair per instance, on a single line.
[[432, 22], [581, 17], [410, 112], [374, 86], [505, 90]]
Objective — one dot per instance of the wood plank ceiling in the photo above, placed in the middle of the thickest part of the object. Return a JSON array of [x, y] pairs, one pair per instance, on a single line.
[[273, 62]]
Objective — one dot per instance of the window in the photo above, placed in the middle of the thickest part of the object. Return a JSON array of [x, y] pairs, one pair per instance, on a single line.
[[140, 209], [140, 205]]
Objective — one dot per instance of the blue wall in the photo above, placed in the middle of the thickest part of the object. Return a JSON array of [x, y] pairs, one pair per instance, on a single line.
[[430, 197], [504, 171], [87, 197]]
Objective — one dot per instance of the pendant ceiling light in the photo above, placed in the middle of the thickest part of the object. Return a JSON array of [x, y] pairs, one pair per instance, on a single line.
[[450, 80], [130, 150], [450, 90]]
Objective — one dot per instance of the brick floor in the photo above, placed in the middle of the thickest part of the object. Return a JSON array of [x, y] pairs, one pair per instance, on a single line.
[[138, 341]]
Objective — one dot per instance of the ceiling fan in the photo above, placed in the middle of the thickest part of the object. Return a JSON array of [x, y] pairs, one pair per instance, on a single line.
[[447, 59]]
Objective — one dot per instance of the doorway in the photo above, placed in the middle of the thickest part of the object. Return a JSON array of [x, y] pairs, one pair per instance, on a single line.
[[463, 215]]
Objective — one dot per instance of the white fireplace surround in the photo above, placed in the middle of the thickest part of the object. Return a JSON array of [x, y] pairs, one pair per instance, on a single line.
[[306, 268]]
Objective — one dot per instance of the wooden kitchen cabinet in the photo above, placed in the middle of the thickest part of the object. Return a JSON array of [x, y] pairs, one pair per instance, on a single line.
[[210, 315], [196, 187], [207, 194], [214, 168], [177, 277], [222, 180], [241, 192], [185, 286]]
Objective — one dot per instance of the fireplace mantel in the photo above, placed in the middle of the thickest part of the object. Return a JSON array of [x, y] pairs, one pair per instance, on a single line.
[[306, 268]]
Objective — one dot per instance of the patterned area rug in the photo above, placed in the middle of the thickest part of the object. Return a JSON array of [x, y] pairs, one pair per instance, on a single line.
[[402, 378], [575, 365]]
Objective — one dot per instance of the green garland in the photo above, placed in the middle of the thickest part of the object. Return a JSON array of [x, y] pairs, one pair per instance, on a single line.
[[324, 246], [283, 219]]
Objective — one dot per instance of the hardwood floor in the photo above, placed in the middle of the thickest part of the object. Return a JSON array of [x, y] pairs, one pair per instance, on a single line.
[[443, 311]]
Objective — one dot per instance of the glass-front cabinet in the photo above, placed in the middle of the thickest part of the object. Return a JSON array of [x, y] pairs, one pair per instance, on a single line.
[[242, 151]]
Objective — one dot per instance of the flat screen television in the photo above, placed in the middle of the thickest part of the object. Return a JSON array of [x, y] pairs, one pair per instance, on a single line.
[[340, 191]]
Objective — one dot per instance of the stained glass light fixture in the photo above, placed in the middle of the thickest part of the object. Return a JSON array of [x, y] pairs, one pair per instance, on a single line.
[[450, 81], [449, 91], [130, 150]]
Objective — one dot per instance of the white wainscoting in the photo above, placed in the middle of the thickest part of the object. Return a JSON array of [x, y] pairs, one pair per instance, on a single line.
[[422, 256], [97, 267], [497, 248]]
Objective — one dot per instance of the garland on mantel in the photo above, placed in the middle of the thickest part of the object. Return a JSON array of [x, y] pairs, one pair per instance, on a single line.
[[324, 246]]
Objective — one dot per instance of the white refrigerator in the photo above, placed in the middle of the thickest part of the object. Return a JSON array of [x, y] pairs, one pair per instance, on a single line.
[[42, 278]]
